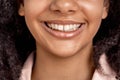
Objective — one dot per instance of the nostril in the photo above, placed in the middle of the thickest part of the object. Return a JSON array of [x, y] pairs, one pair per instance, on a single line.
[[57, 11], [71, 11], [64, 6], [65, 12]]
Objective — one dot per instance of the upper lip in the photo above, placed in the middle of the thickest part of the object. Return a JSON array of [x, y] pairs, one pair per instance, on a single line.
[[63, 22]]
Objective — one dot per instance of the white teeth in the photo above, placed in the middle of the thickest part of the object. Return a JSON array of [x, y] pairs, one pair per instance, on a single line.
[[68, 27]]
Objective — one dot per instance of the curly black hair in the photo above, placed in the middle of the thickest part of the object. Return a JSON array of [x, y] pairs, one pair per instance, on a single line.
[[14, 35]]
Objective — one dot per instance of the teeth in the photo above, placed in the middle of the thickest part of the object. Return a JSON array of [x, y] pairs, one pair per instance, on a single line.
[[68, 27]]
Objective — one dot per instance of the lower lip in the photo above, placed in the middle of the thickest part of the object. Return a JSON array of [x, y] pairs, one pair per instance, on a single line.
[[60, 34]]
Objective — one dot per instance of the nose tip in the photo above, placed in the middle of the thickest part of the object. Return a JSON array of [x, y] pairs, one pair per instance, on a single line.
[[64, 6]]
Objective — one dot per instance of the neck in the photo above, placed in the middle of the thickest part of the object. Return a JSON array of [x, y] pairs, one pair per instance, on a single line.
[[77, 67]]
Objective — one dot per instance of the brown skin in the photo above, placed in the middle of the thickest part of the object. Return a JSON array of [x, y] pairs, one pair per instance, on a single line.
[[66, 58]]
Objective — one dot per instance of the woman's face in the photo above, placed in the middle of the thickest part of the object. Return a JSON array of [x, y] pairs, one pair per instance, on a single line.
[[63, 27]]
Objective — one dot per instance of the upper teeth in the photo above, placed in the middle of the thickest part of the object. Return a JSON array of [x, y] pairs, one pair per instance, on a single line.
[[68, 27]]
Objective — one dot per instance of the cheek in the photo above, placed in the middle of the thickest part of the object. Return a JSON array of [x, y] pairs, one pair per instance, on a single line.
[[93, 12], [34, 8], [92, 9]]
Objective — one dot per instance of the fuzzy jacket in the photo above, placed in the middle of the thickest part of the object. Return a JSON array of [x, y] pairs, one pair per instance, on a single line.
[[106, 74]]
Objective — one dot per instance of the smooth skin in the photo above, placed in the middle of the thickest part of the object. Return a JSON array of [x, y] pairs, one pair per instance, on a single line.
[[63, 58]]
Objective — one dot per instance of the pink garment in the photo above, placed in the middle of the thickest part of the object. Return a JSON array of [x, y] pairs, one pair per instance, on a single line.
[[98, 75]]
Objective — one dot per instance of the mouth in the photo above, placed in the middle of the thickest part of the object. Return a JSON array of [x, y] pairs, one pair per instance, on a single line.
[[64, 29]]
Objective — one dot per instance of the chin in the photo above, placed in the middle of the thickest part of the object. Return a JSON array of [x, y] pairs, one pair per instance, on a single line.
[[64, 53]]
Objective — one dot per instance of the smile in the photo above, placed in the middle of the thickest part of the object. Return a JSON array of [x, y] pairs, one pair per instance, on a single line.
[[64, 29]]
